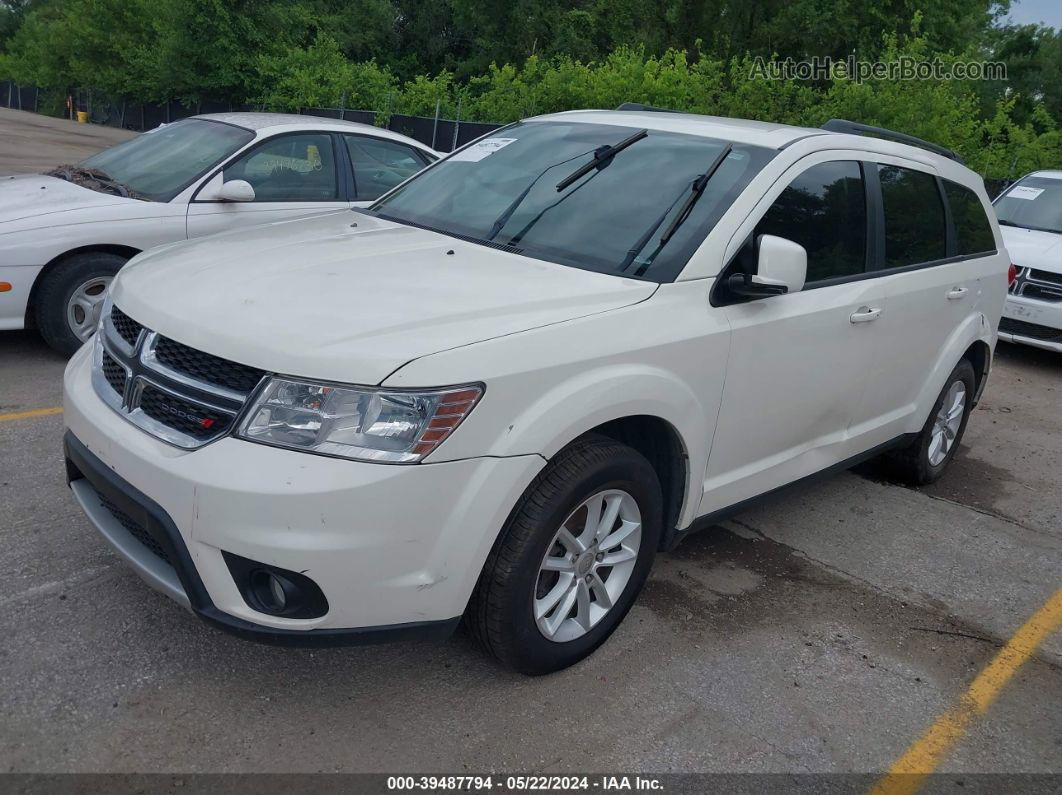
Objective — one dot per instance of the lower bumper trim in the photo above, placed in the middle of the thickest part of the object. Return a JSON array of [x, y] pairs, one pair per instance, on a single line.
[[92, 482]]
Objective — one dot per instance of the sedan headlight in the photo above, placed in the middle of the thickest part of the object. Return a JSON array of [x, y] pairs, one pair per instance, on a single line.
[[362, 423]]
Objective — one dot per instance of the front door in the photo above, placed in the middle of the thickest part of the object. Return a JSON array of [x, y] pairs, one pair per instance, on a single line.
[[800, 363], [292, 175]]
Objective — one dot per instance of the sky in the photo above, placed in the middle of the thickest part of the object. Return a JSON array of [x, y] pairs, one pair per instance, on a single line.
[[1027, 12]]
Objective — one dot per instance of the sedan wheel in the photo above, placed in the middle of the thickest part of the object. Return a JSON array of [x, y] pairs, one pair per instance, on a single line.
[[84, 306]]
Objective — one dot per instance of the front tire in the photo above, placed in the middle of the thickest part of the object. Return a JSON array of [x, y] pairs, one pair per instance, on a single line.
[[926, 458], [571, 559], [70, 298]]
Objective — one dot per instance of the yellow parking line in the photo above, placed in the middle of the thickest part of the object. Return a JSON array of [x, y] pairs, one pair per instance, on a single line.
[[26, 415], [909, 771]]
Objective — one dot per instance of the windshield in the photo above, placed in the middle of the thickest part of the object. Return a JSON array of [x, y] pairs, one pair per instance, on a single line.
[[1033, 203], [159, 164], [514, 190]]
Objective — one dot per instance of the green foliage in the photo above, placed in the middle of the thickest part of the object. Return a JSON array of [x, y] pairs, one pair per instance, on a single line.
[[500, 61]]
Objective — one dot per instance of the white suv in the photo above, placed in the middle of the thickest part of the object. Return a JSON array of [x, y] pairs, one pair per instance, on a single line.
[[501, 389], [1030, 214]]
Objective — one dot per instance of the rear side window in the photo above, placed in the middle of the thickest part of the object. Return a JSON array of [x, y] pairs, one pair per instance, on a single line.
[[914, 217], [824, 210], [973, 233]]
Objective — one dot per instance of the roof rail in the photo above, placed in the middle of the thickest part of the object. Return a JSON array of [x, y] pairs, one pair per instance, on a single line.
[[855, 128], [640, 106]]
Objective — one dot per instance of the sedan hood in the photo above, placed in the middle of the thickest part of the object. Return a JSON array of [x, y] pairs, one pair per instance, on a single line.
[[36, 200], [1031, 248], [349, 297]]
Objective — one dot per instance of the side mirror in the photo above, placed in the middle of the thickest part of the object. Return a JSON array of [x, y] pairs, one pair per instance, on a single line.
[[781, 267], [237, 190]]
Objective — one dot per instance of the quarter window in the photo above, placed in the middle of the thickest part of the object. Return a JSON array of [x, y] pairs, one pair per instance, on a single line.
[[824, 210], [973, 233], [914, 217], [289, 168]]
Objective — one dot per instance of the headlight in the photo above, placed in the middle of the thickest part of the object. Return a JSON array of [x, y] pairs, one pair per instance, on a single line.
[[362, 423]]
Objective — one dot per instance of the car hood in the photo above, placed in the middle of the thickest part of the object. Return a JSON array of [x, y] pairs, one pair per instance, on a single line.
[[34, 197], [1031, 248], [349, 297]]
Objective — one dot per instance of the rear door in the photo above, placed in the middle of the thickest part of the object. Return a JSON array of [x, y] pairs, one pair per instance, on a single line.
[[924, 261], [800, 363], [293, 174]]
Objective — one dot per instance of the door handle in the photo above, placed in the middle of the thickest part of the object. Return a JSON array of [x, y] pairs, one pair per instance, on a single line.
[[865, 314], [955, 293]]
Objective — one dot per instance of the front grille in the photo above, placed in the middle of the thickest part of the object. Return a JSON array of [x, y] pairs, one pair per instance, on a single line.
[[1045, 276], [1042, 292], [206, 367], [1031, 330], [136, 530], [127, 328], [185, 397], [114, 373], [191, 419]]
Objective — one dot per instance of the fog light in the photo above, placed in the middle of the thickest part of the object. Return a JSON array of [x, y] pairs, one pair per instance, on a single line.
[[275, 591], [271, 591]]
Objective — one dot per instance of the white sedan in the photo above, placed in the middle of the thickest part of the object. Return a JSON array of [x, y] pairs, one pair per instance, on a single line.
[[65, 234]]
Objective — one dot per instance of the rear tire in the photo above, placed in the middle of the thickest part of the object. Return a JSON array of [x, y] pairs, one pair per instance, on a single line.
[[507, 614], [925, 459], [70, 297]]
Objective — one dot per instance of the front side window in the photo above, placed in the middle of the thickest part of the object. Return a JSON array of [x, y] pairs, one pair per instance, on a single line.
[[1032, 203], [973, 233], [289, 168], [629, 215], [380, 165], [914, 217], [159, 164], [824, 210]]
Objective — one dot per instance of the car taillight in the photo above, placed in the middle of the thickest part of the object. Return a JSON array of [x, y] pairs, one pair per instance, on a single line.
[[1012, 274]]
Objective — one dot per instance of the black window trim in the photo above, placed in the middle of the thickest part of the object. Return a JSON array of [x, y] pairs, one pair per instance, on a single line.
[[875, 237], [342, 186], [422, 156]]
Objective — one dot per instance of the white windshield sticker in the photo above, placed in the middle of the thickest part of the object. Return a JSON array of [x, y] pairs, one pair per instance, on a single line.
[[480, 149], [1025, 193]]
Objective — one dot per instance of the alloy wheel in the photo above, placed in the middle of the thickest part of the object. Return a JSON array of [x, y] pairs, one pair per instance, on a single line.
[[587, 565], [946, 425]]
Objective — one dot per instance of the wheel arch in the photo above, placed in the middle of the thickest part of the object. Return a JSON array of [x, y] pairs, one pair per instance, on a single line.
[[979, 354], [96, 248], [969, 340], [662, 446]]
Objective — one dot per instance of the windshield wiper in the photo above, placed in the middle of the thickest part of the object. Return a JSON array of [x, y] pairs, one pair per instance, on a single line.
[[696, 189], [507, 213], [602, 157], [1026, 226]]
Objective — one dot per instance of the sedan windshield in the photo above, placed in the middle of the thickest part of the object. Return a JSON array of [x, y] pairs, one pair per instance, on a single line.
[[1033, 203], [640, 204], [162, 162]]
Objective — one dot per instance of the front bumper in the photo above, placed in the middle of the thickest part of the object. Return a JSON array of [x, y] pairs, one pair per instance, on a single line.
[[395, 549], [1032, 322]]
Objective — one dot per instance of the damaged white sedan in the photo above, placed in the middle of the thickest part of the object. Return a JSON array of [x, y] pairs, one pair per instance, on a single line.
[[65, 234]]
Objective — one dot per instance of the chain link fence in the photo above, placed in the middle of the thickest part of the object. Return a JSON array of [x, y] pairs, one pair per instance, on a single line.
[[441, 134]]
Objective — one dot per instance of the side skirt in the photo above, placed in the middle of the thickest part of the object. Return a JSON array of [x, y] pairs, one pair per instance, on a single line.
[[676, 536]]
